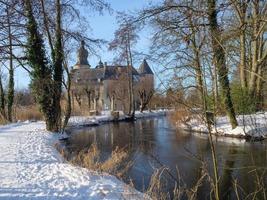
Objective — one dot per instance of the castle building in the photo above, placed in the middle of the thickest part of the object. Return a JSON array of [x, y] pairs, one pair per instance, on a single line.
[[105, 87]]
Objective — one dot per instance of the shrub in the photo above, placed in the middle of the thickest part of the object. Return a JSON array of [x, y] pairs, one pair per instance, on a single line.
[[243, 102]]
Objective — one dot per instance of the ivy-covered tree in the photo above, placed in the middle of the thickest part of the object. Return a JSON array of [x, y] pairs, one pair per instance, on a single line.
[[58, 67], [45, 87], [220, 61]]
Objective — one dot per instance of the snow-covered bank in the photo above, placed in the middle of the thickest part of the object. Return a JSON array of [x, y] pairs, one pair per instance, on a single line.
[[254, 125], [31, 168], [107, 117]]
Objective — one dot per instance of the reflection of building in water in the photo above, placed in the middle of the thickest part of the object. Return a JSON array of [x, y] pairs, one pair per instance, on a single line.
[[106, 86]]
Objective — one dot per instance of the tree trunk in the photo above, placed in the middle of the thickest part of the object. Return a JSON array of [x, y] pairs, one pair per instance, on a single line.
[[198, 68], [46, 81], [241, 9], [129, 70], [2, 100], [58, 68], [219, 58], [200, 83], [142, 107], [259, 79], [242, 67], [68, 107], [78, 99], [145, 97], [259, 91], [45, 20], [130, 65], [255, 50], [10, 93]]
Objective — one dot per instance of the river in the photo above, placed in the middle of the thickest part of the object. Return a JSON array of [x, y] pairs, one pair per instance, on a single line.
[[154, 142]]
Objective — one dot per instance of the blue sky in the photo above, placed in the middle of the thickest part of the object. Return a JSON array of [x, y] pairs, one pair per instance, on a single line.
[[103, 27]]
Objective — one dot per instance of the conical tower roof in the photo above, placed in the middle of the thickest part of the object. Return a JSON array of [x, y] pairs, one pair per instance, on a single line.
[[144, 68]]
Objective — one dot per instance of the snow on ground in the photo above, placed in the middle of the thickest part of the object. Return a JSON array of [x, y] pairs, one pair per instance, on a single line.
[[254, 125], [31, 168], [106, 117]]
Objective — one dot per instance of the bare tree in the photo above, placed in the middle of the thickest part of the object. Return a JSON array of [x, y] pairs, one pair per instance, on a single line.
[[118, 91], [145, 90], [124, 39], [10, 41], [240, 8], [180, 44]]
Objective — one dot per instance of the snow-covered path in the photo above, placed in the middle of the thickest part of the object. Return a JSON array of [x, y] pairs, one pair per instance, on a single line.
[[31, 168]]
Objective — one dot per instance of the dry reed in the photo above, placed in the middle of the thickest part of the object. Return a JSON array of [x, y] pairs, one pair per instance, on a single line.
[[27, 113], [117, 164], [180, 116]]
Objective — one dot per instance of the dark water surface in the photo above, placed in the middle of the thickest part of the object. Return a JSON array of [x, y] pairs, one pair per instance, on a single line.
[[154, 142]]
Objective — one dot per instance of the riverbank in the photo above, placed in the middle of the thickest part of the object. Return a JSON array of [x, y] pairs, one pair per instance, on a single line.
[[252, 126], [31, 168], [106, 116]]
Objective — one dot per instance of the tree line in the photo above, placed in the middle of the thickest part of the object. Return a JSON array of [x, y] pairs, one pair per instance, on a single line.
[[216, 48], [38, 36]]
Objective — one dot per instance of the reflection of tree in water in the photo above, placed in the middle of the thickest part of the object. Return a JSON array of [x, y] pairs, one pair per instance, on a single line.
[[136, 135], [226, 179], [152, 141], [133, 136], [82, 139], [253, 164], [145, 136]]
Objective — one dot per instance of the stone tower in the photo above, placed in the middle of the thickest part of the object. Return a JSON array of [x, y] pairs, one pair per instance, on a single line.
[[82, 55]]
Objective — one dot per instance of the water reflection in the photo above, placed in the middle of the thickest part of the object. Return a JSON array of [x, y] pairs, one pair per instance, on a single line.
[[154, 142], [226, 183]]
